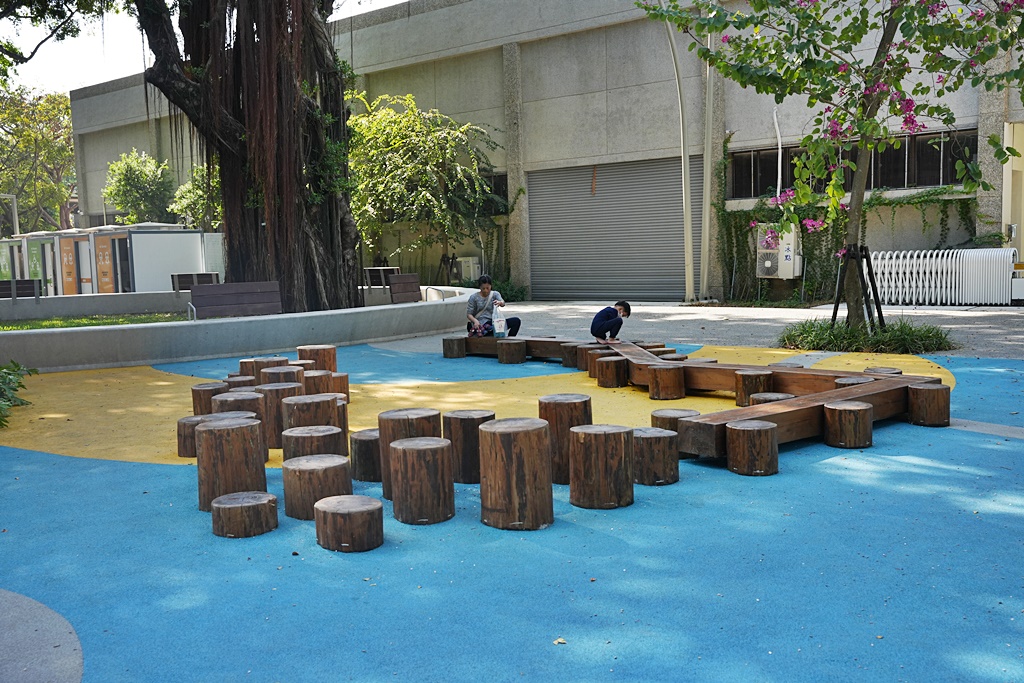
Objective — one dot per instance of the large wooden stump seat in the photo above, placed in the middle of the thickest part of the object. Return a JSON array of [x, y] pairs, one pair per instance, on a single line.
[[666, 381], [364, 455], [515, 474], [299, 441], [309, 478], [668, 418], [595, 355], [404, 423], [655, 456], [258, 364], [238, 381], [852, 381], [230, 457], [341, 384], [203, 393], [848, 424], [752, 447], [318, 381], [601, 466], [786, 364], [612, 371], [769, 397], [673, 356], [511, 351], [751, 382], [454, 346], [281, 373], [647, 346], [928, 405], [562, 412], [244, 514], [306, 365], [462, 428], [569, 354], [187, 428], [662, 352], [247, 400], [582, 358], [324, 356], [883, 371], [422, 480], [350, 524], [273, 413], [247, 366], [308, 411]]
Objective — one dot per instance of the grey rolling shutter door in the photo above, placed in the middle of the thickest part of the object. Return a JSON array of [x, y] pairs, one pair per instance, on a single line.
[[616, 235]]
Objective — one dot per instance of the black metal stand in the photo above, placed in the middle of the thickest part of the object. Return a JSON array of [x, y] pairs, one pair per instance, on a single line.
[[872, 304]]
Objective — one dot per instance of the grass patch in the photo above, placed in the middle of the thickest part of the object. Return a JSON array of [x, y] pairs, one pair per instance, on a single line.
[[899, 336], [91, 321], [11, 380]]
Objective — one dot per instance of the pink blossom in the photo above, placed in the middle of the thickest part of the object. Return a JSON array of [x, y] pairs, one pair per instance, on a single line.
[[771, 239], [753, 224], [725, 38], [841, 253], [813, 225], [940, 79], [784, 196], [843, 68]]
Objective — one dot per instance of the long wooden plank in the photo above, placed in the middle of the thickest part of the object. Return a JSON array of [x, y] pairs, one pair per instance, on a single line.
[[536, 347], [796, 418], [796, 381]]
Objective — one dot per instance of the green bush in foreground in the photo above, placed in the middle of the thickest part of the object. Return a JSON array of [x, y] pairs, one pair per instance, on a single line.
[[899, 336], [11, 380], [92, 321]]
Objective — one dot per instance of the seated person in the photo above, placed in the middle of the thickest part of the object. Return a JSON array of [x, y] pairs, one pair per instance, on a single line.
[[480, 311], [608, 321]]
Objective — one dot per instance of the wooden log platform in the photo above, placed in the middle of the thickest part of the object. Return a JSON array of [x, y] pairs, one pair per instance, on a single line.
[[308, 411], [313, 440], [768, 397], [462, 428], [515, 474], [655, 458], [272, 411], [309, 478], [601, 466], [668, 419], [536, 347], [751, 382], [349, 524], [244, 514], [928, 405], [230, 457], [324, 356], [752, 447], [365, 455], [404, 423], [511, 351], [422, 480], [240, 381], [666, 381], [454, 346], [318, 381], [202, 393], [562, 412], [612, 371], [848, 424], [281, 373]]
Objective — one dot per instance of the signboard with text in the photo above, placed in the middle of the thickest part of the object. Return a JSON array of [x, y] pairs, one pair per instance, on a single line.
[[67, 266], [105, 265]]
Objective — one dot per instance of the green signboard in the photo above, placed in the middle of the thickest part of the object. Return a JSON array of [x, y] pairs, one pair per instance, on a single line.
[[5, 261], [35, 260]]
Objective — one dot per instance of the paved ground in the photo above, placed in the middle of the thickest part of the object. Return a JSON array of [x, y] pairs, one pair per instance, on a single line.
[[898, 562]]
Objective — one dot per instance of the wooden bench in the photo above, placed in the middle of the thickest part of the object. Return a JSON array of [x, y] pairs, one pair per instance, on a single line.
[[536, 347], [405, 288], [183, 282], [20, 289], [235, 299]]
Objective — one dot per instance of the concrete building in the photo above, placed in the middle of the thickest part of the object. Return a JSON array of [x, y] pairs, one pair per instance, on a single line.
[[583, 98]]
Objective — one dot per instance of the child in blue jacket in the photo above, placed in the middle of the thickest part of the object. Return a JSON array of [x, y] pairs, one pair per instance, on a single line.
[[608, 322]]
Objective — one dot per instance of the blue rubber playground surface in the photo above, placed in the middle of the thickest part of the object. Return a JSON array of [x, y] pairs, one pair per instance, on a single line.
[[902, 562]]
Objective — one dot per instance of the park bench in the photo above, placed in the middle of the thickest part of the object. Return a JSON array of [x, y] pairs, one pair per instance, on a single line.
[[405, 288], [234, 299], [20, 289], [182, 282]]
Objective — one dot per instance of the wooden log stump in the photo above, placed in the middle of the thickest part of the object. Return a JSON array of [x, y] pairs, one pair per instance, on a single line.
[[701, 360], [247, 366], [306, 365], [233, 374], [655, 456], [244, 514], [786, 364], [365, 455], [309, 411], [852, 381], [350, 524], [612, 371], [240, 399], [595, 355], [601, 466], [462, 428], [639, 373], [318, 381], [677, 357], [265, 362], [187, 428], [848, 424], [515, 474], [341, 384], [202, 393], [272, 413], [324, 357], [581, 354], [281, 373], [240, 381], [884, 371], [769, 397], [752, 447], [666, 381], [511, 351], [569, 354], [404, 423], [668, 418], [310, 478], [562, 412], [662, 352], [454, 347], [422, 480], [647, 346], [928, 405], [312, 440], [230, 457], [751, 382]]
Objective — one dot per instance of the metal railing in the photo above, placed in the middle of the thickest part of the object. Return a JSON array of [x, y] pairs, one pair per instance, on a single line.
[[951, 277]]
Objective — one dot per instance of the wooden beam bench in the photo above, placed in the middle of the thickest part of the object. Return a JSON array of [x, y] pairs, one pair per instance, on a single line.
[[235, 299], [536, 347], [182, 282], [20, 289]]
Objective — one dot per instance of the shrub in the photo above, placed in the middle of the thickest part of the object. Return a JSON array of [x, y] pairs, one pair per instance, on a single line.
[[510, 291], [11, 380], [899, 336]]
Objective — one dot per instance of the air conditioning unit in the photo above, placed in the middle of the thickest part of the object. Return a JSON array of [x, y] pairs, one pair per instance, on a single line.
[[469, 267], [784, 262]]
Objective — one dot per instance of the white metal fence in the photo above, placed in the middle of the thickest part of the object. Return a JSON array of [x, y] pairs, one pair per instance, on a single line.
[[944, 278]]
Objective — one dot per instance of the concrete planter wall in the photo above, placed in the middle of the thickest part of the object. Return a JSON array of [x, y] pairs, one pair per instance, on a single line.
[[100, 347]]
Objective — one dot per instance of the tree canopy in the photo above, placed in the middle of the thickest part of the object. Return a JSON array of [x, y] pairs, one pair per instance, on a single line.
[[140, 186], [871, 73], [198, 201], [58, 19]]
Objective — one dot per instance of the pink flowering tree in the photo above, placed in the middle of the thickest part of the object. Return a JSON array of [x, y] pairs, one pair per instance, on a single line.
[[871, 73]]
